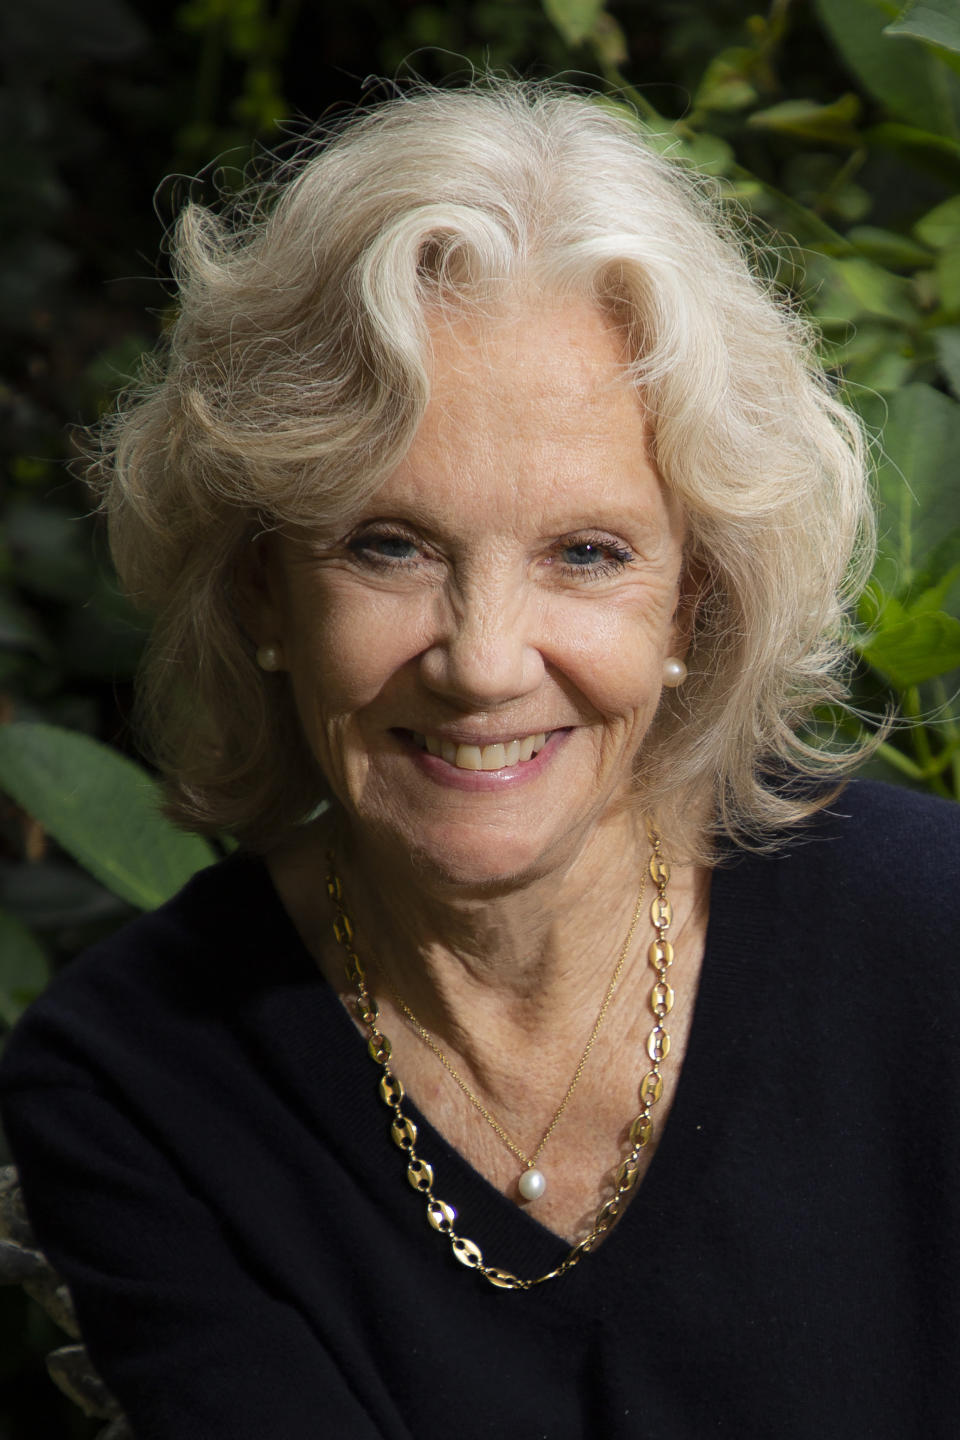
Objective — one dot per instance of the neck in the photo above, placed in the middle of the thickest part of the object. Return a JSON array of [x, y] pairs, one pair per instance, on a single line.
[[525, 938], [508, 984], [485, 974], [517, 938]]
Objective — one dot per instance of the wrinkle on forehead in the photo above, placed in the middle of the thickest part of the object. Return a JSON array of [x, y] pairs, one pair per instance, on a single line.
[[544, 382], [485, 356]]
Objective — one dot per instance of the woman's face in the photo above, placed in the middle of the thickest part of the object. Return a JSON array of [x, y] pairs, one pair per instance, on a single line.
[[477, 657]]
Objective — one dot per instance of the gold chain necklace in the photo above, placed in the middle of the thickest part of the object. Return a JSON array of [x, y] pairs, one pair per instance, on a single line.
[[404, 1132], [532, 1182]]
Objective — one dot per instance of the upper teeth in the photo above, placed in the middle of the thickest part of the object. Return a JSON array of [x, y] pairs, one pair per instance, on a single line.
[[483, 757]]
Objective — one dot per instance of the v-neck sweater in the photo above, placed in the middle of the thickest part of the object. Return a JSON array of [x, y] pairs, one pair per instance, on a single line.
[[207, 1160]]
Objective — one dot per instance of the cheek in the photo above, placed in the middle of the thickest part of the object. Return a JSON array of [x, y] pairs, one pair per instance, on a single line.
[[344, 648], [616, 660]]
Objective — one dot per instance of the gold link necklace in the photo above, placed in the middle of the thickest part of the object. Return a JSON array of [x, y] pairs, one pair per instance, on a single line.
[[532, 1183], [442, 1216]]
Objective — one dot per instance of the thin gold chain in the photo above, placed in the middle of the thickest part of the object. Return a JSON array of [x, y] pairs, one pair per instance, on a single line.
[[442, 1216], [531, 1160]]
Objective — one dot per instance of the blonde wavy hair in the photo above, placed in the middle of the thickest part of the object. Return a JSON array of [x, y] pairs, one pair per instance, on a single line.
[[295, 376]]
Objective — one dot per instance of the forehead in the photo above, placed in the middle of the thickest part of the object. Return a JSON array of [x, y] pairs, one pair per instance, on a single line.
[[540, 364], [531, 411]]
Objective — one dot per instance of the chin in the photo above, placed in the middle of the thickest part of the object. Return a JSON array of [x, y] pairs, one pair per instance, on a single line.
[[465, 875], [459, 858], [484, 842]]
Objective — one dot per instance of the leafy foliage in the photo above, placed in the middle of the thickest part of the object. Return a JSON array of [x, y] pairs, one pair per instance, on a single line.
[[835, 124], [103, 809]]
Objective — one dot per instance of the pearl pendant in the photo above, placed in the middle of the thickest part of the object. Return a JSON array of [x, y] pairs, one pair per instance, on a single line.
[[531, 1184]]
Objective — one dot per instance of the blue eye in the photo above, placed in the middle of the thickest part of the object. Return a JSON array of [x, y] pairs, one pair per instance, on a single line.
[[585, 553], [382, 547], [594, 559]]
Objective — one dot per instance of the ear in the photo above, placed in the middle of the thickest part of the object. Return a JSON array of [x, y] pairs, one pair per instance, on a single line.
[[257, 590]]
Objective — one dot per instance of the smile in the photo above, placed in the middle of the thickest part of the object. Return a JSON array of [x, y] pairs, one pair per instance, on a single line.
[[498, 756]]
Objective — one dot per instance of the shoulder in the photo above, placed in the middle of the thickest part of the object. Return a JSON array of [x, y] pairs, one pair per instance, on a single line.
[[872, 873], [880, 835], [850, 930], [211, 915], [883, 818], [189, 964]]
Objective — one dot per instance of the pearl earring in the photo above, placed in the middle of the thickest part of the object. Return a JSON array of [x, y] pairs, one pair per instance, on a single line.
[[269, 657], [674, 672]]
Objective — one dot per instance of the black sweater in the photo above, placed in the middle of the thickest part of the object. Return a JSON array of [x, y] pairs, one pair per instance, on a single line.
[[207, 1160]]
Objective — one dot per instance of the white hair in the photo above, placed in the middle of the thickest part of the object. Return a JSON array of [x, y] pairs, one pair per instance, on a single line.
[[296, 374]]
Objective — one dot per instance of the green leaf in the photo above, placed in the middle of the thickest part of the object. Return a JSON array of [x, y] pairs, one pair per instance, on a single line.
[[948, 278], [870, 353], [726, 84], [879, 292], [575, 19], [807, 226], [23, 968], [888, 248], [708, 153], [876, 602], [936, 21], [854, 287], [609, 42], [916, 649], [835, 123], [934, 597], [915, 472], [935, 583], [937, 154], [940, 226], [102, 808], [705, 152], [947, 342], [902, 73]]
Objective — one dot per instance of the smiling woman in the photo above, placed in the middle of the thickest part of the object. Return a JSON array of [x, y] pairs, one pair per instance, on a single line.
[[300, 370], [516, 581], [482, 493]]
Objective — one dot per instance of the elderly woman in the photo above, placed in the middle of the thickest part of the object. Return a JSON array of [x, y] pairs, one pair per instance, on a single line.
[[559, 1055]]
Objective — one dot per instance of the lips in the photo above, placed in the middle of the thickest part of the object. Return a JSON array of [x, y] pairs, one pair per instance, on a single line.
[[499, 755]]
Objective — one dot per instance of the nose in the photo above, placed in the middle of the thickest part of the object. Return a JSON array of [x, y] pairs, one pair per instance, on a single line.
[[485, 653]]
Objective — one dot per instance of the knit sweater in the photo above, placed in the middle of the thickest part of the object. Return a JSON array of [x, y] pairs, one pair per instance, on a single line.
[[207, 1160]]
